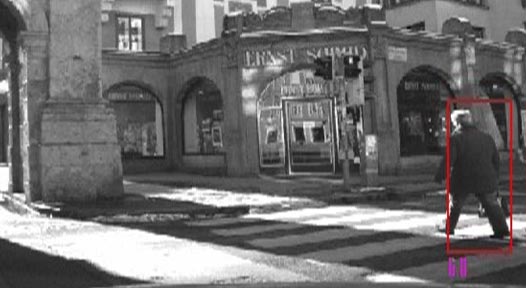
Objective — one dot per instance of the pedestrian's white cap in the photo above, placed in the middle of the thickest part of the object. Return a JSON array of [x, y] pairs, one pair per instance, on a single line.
[[461, 116]]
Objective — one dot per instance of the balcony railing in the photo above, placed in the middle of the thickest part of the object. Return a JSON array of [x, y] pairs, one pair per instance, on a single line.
[[396, 3]]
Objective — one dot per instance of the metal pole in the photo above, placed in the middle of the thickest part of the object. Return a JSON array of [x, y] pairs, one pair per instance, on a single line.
[[345, 168]]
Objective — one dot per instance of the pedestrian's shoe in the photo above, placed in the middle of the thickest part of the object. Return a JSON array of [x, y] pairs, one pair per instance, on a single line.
[[444, 230], [500, 235]]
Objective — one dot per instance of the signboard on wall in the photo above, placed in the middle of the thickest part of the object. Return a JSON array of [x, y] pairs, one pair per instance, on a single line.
[[262, 58], [397, 53]]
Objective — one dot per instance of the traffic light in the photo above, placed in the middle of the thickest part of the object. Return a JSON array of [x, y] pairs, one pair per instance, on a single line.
[[351, 66], [323, 67]]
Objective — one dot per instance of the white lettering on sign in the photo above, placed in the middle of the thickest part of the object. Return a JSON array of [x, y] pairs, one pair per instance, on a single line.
[[397, 53], [307, 55], [298, 89], [421, 86]]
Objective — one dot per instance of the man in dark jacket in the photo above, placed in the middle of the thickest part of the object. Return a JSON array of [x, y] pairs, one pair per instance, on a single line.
[[474, 164]]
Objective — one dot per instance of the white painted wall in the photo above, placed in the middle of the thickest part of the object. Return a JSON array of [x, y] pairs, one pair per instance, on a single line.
[[505, 17], [409, 14], [205, 20], [178, 17]]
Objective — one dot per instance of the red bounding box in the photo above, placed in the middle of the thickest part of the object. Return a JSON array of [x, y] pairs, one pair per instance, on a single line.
[[467, 102]]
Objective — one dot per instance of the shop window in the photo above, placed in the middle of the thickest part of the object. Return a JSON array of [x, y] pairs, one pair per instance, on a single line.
[[318, 134], [299, 134], [203, 120], [421, 111], [130, 33], [139, 122], [479, 32]]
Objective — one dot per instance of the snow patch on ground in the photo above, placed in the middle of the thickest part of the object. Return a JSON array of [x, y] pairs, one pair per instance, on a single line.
[[222, 198], [391, 278], [134, 253]]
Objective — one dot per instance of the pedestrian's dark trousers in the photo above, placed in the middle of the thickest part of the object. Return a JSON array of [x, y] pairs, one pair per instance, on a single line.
[[489, 202]]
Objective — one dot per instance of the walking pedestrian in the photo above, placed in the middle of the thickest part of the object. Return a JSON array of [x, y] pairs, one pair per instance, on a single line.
[[474, 169]]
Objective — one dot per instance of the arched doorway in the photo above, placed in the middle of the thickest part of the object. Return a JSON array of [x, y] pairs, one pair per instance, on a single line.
[[296, 125], [12, 159], [203, 126], [139, 115], [498, 86], [421, 97]]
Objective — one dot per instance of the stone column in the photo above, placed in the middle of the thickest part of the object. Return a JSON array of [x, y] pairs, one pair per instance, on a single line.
[[80, 156], [36, 92], [16, 183], [385, 118]]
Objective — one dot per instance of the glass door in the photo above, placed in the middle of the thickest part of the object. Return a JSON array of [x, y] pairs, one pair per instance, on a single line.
[[309, 136]]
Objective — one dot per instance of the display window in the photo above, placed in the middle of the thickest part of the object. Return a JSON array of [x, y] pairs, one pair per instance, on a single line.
[[203, 120], [497, 88], [139, 121], [422, 100]]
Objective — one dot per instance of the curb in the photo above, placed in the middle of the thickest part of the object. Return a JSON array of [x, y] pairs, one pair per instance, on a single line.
[[15, 205]]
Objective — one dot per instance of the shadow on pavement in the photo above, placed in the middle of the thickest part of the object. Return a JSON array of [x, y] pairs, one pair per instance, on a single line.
[[392, 260], [21, 267]]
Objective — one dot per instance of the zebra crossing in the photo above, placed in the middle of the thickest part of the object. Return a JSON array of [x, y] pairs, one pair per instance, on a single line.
[[401, 242]]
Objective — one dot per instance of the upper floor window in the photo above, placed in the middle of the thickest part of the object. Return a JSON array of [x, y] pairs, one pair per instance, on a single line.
[[419, 26], [234, 6], [479, 31], [130, 33]]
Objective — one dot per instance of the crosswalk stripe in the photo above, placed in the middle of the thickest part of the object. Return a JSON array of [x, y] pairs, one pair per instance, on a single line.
[[372, 249], [245, 231], [306, 214], [362, 217], [308, 238], [409, 223], [221, 222]]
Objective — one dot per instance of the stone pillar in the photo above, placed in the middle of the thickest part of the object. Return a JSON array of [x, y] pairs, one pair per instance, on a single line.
[[16, 182], [385, 110], [80, 156], [36, 92]]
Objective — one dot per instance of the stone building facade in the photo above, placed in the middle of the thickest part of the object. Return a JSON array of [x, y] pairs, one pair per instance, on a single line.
[[259, 75]]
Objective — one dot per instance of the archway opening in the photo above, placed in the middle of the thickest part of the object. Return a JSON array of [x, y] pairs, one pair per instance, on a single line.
[[297, 124], [12, 158], [203, 125], [139, 115], [498, 87], [422, 95]]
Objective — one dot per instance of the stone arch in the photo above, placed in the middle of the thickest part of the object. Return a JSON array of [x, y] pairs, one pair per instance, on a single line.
[[503, 81], [14, 18], [152, 117], [200, 117], [421, 95]]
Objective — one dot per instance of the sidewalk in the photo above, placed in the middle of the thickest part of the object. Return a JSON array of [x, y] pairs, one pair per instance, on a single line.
[[197, 196]]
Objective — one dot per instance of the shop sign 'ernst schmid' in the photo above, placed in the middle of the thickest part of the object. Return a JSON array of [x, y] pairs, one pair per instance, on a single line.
[[298, 55]]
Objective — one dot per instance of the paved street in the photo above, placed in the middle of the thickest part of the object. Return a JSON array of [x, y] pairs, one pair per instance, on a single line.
[[400, 242], [284, 240]]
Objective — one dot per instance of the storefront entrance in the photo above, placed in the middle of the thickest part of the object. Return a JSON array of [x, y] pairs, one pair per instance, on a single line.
[[296, 125], [309, 133]]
